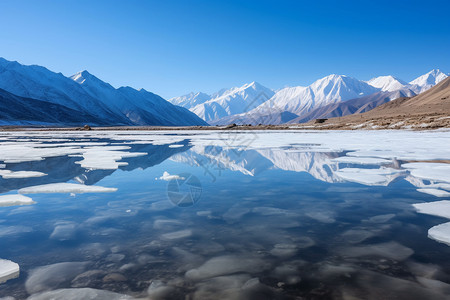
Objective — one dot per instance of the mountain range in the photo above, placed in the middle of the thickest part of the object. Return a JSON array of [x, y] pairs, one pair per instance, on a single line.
[[36, 95], [331, 96], [433, 103]]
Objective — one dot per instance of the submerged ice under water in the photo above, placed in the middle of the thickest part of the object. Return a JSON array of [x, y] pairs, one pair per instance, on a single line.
[[225, 215]]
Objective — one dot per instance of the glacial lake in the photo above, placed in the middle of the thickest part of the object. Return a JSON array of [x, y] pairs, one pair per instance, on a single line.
[[225, 215]]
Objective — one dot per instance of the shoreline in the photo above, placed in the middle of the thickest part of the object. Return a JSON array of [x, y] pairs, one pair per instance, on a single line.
[[331, 127], [351, 122]]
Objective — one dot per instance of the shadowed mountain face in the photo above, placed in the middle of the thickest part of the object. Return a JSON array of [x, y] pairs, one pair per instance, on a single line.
[[17, 110], [52, 98]]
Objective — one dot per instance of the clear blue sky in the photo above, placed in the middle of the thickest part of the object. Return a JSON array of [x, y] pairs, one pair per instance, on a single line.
[[174, 47]]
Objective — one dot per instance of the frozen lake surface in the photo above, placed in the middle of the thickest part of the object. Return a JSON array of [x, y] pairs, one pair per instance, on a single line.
[[225, 215]]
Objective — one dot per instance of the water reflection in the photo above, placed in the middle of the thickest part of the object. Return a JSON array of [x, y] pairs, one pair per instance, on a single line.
[[64, 168], [272, 223]]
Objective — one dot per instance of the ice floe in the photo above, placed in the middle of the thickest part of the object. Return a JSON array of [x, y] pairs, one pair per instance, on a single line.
[[432, 171], [66, 188], [167, 177], [8, 270], [106, 158], [362, 160], [15, 199], [440, 233], [7, 174], [434, 192], [436, 208], [381, 176]]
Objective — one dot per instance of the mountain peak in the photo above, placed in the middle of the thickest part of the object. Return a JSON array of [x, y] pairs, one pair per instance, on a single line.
[[435, 72], [387, 83], [80, 77], [252, 84], [429, 79]]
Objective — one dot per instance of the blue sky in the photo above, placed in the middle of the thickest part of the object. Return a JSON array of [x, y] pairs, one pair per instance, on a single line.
[[174, 47]]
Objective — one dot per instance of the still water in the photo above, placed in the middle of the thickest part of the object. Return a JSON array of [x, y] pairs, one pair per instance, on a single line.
[[223, 215]]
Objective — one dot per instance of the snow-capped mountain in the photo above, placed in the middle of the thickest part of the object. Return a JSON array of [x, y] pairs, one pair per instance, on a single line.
[[330, 89], [233, 101], [87, 97], [300, 100], [418, 85], [96, 102], [140, 107], [352, 106], [190, 100], [39, 83], [388, 83], [428, 80]]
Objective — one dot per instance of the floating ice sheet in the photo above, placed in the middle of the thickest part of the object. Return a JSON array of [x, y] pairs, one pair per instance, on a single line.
[[8, 270], [66, 188], [437, 208], [434, 192], [431, 171], [106, 158], [381, 176], [15, 199], [362, 160], [7, 174], [167, 177], [440, 233]]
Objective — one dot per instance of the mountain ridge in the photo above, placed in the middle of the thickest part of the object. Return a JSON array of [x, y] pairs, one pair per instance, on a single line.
[[89, 96]]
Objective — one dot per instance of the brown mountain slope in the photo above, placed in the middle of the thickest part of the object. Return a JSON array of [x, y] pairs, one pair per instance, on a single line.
[[435, 100], [430, 109]]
